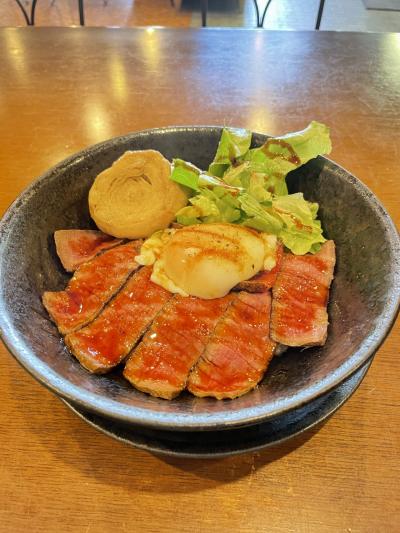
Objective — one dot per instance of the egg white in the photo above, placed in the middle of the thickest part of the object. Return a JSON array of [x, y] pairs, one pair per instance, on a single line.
[[207, 260]]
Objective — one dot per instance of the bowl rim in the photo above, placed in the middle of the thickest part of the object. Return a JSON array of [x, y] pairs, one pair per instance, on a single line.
[[125, 413]]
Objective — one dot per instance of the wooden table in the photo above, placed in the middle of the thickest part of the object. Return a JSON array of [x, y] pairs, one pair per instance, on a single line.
[[64, 89]]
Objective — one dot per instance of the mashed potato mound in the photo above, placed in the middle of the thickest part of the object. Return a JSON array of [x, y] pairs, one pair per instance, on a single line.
[[135, 196]]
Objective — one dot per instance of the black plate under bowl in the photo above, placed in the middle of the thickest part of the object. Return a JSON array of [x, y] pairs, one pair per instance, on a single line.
[[363, 304], [213, 444]]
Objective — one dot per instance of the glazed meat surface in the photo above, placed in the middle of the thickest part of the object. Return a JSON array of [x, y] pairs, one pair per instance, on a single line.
[[238, 351], [106, 341], [161, 363], [91, 287], [76, 246], [300, 296]]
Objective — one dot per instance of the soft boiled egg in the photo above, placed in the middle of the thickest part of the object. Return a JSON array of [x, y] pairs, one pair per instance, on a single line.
[[207, 260]]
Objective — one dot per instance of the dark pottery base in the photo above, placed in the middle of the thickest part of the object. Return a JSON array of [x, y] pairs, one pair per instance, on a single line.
[[363, 300], [213, 444]]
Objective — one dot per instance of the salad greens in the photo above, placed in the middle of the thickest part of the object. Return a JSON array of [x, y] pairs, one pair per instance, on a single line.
[[248, 187], [233, 145]]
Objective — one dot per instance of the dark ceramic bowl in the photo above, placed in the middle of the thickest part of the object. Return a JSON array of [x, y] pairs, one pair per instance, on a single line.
[[363, 304]]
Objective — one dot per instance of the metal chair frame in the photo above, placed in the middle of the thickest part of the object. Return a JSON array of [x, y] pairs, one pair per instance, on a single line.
[[30, 20], [260, 16]]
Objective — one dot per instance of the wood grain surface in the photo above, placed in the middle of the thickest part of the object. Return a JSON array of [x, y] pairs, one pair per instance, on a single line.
[[64, 89]]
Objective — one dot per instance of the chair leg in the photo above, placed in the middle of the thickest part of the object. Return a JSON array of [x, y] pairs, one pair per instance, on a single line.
[[319, 16], [257, 13], [264, 13], [81, 13], [33, 8], [204, 9], [28, 22]]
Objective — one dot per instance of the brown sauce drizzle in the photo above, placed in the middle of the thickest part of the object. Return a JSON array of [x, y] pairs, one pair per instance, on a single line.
[[292, 157], [85, 245], [299, 225]]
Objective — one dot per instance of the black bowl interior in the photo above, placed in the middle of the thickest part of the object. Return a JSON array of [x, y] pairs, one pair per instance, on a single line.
[[363, 304]]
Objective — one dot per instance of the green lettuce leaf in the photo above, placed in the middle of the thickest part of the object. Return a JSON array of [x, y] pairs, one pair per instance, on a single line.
[[297, 148], [301, 232], [190, 176], [258, 217], [245, 177], [238, 176], [233, 144], [280, 155], [248, 187], [210, 205], [185, 174]]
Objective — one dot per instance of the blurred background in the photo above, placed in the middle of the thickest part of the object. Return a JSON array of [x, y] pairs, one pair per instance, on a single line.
[[342, 15]]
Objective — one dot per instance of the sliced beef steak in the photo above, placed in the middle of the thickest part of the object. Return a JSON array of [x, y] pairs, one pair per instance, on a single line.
[[91, 287], [76, 246], [106, 341], [300, 296], [238, 351], [161, 363]]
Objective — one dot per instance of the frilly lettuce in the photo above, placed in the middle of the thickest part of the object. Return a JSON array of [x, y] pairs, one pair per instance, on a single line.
[[211, 205], [233, 144], [247, 186], [185, 174], [279, 155], [301, 231]]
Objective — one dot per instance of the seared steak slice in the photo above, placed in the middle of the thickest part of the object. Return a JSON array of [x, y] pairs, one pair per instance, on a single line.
[[300, 297], [76, 246], [238, 351], [106, 341], [161, 363], [264, 280], [91, 287]]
